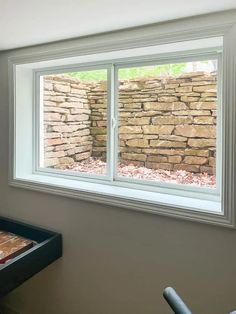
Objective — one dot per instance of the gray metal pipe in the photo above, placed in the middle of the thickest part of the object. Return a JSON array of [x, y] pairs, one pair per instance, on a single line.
[[175, 302]]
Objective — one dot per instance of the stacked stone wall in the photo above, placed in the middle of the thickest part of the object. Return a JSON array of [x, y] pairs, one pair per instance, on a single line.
[[67, 136], [97, 96], [164, 122]]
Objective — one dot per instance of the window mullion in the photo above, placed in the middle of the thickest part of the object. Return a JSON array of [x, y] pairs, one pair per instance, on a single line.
[[111, 118]]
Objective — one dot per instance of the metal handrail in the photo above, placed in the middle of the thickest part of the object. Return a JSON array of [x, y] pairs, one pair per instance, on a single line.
[[175, 302]]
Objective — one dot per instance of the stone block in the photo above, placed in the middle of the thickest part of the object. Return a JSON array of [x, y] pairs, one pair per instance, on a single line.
[[55, 98], [80, 140], [131, 162], [80, 111], [205, 88], [131, 150], [99, 149], [47, 86], [196, 131], [196, 152], [189, 168], [204, 142], [196, 83], [189, 98], [162, 151], [52, 116], [61, 88], [204, 120], [130, 86], [150, 137], [206, 169], [191, 74], [158, 129], [125, 114], [165, 106], [137, 143], [130, 129], [54, 154], [50, 162], [79, 149], [66, 128], [53, 141], [98, 106], [139, 121], [173, 138], [81, 133], [52, 135], [174, 159], [48, 148], [99, 143], [98, 131], [62, 78], [133, 105], [56, 109], [66, 161], [211, 77], [184, 89], [77, 117], [78, 91], [156, 166], [192, 113], [136, 157], [195, 160], [82, 86], [205, 99], [163, 143], [72, 104], [167, 99], [212, 94], [49, 103], [202, 105], [102, 123], [82, 156], [63, 147], [158, 158], [212, 161], [167, 86], [130, 136], [171, 120], [101, 137], [147, 113]]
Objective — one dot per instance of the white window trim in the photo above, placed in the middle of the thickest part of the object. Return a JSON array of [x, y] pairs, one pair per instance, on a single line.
[[124, 196], [112, 144]]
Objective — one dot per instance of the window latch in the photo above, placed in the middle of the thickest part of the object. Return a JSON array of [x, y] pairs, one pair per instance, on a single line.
[[113, 122]]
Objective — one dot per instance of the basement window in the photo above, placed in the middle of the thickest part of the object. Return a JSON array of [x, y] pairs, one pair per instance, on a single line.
[[164, 123], [138, 128]]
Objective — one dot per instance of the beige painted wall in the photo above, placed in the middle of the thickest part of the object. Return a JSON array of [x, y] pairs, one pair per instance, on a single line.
[[116, 260]]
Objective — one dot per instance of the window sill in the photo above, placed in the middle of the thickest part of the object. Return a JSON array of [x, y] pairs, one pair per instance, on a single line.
[[139, 200]]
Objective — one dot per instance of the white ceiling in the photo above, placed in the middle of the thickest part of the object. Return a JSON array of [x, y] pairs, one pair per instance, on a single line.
[[30, 22]]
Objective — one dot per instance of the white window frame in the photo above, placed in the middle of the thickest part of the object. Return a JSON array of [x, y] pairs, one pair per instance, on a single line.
[[122, 193], [112, 67]]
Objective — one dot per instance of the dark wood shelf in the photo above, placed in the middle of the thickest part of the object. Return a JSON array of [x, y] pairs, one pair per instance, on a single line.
[[47, 249]]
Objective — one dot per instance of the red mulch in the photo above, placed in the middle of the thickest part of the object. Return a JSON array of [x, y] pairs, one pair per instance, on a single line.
[[97, 166]]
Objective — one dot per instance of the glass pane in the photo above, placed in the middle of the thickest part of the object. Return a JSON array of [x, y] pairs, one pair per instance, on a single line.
[[167, 123], [75, 121]]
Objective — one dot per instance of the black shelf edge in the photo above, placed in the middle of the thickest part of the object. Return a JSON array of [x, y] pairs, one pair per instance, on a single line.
[[21, 268]]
